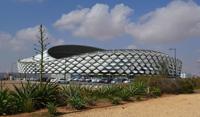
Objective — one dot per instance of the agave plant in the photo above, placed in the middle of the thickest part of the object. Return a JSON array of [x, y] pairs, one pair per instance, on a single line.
[[48, 92], [34, 96], [74, 96], [51, 109], [24, 96], [125, 94], [139, 88], [7, 103], [77, 102], [72, 90]]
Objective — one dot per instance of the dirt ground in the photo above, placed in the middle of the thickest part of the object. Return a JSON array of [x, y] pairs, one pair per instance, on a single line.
[[9, 84], [169, 106]]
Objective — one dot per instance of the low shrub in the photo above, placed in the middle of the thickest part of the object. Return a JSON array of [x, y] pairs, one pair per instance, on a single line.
[[124, 94], [185, 86], [51, 109], [115, 100], [169, 85], [74, 96], [34, 96], [91, 100], [165, 85], [28, 105], [7, 103], [76, 102], [195, 82], [155, 92], [139, 88]]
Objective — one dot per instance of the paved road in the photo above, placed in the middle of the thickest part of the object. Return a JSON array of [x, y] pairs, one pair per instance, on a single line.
[[170, 106]]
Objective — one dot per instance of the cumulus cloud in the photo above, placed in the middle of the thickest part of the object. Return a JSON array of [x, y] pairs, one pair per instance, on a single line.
[[23, 38], [98, 22], [132, 47], [177, 21]]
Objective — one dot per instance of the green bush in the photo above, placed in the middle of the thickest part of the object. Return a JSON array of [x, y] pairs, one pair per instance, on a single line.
[[74, 96], [139, 88], [185, 86], [28, 105], [7, 103], [195, 82], [100, 93], [77, 102], [155, 92], [169, 85], [72, 90], [91, 100], [115, 100], [35, 96], [125, 94], [51, 109], [48, 92]]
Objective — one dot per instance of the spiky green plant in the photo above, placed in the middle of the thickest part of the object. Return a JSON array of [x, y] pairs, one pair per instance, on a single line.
[[115, 100], [74, 96], [155, 92], [125, 94], [139, 88], [7, 103], [76, 102], [35, 95], [52, 109]]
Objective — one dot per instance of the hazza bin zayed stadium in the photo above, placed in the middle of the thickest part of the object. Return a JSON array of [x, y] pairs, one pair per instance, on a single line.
[[86, 61]]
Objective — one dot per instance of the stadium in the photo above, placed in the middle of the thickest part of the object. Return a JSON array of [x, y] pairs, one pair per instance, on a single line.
[[92, 61]]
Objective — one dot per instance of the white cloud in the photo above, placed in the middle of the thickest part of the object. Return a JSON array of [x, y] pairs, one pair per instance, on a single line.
[[24, 38], [20, 45], [177, 21], [132, 47], [98, 22]]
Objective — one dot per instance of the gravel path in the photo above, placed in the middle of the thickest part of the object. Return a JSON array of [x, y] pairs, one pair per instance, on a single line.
[[169, 106]]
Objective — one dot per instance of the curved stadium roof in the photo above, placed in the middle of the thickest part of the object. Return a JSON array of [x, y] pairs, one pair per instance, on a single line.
[[62, 51]]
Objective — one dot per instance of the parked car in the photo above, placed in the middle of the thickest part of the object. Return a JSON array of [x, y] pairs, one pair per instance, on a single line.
[[105, 80], [63, 81], [120, 80], [127, 81], [75, 79], [81, 79], [88, 80], [53, 80], [95, 80]]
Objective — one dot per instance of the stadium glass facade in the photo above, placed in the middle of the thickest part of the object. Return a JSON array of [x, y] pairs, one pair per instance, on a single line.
[[85, 60]]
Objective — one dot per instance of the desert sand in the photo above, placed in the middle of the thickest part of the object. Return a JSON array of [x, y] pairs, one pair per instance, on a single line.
[[167, 106]]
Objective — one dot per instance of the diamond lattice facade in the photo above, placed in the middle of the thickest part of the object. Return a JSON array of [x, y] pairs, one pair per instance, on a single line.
[[128, 62]]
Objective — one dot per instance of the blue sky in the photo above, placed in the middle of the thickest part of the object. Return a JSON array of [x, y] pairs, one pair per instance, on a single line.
[[155, 24]]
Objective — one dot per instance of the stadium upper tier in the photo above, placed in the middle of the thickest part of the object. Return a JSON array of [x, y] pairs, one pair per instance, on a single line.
[[87, 60]]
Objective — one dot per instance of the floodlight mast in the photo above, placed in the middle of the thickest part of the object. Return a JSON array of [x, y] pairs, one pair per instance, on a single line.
[[174, 50]]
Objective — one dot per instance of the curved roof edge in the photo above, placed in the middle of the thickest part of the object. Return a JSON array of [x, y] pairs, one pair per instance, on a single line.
[[62, 51]]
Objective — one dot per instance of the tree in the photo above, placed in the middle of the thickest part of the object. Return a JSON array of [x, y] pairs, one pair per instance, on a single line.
[[40, 48]]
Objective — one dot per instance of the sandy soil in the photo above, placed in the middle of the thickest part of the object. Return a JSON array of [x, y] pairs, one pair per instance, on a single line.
[[9, 84], [169, 106]]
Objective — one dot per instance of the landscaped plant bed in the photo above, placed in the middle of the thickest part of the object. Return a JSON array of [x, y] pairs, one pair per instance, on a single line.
[[35, 97], [66, 109]]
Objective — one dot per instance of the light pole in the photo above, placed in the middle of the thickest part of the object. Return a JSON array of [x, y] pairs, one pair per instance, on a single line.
[[12, 70], [174, 50]]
